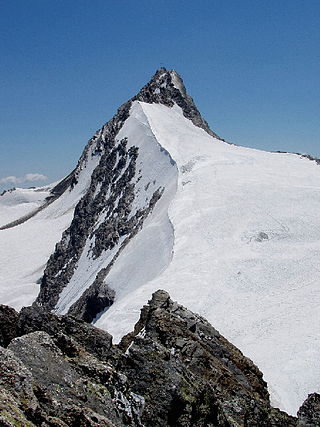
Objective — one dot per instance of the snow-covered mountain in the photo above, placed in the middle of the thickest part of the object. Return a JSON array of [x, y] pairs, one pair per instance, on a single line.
[[158, 201]]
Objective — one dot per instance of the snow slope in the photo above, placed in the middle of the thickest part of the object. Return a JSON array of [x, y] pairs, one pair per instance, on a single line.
[[246, 250]]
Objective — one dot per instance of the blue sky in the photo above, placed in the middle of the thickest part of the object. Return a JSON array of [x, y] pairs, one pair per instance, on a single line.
[[252, 67]]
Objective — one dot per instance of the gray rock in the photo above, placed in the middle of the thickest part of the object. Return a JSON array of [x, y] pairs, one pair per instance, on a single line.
[[94, 340], [190, 375], [8, 322], [309, 412]]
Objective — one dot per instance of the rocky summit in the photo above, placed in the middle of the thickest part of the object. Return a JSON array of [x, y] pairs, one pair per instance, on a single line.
[[174, 369]]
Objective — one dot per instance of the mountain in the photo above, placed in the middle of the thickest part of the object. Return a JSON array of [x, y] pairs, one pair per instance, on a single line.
[[159, 201]]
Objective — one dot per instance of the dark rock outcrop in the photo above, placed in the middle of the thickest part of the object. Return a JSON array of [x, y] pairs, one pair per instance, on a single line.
[[17, 398], [309, 412], [94, 299], [174, 369], [309, 157], [93, 340], [211, 382], [8, 323]]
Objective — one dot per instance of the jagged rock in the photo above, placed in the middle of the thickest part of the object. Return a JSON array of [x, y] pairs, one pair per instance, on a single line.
[[173, 370], [166, 88], [94, 340], [94, 300], [70, 384], [8, 322], [190, 375], [309, 412], [61, 385], [312, 158]]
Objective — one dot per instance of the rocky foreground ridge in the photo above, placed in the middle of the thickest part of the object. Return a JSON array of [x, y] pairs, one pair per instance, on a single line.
[[174, 369]]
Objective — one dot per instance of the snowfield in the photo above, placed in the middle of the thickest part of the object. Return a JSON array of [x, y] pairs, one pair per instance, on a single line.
[[235, 238], [246, 253]]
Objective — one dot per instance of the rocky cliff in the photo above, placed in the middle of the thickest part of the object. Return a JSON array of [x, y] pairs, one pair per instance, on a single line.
[[174, 369]]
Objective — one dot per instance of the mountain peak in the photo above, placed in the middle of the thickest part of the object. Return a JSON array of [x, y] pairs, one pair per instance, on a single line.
[[164, 77], [167, 87]]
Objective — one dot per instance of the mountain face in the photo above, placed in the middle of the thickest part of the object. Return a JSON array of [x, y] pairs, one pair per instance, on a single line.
[[174, 369], [159, 201], [121, 195]]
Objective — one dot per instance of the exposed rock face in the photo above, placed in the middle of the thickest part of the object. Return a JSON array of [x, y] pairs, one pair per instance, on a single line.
[[112, 177], [92, 339], [104, 218], [17, 398], [62, 384], [212, 383], [94, 299], [312, 158], [8, 321], [309, 412], [174, 369]]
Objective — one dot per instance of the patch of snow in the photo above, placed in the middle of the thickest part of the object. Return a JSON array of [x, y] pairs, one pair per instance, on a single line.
[[97, 190], [177, 82], [127, 352]]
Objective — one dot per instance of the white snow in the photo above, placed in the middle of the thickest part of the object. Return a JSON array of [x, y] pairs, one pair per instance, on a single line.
[[261, 293], [177, 82]]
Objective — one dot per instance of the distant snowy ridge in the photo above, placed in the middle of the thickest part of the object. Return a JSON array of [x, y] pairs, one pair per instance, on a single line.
[[19, 202]]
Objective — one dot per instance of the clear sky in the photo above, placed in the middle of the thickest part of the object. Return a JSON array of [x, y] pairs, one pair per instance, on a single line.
[[252, 67]]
